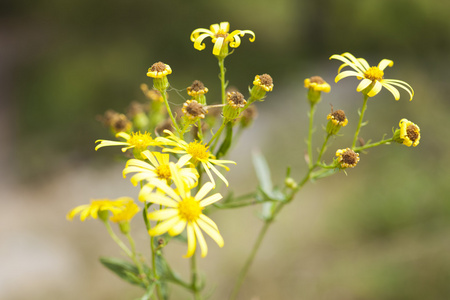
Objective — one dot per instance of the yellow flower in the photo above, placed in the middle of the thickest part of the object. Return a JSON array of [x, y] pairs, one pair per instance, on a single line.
[[409, 133], [98, 206], [194, 110], [195, 152], [197, 88], [185, 211], [372, 77], [126, 214], [264, 81], [317, 84], [338, 118], [220, 37], [158, 169], [139, 141], [347, 158]]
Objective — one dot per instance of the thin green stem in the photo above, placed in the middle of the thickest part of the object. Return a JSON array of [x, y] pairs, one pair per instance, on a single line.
[[136, 261], [216, 135], [371, 145], [169, 111], [222, 77], [117, 239], [322, 150], [310, 131], [200, 130], [361, 116], [194, 277]]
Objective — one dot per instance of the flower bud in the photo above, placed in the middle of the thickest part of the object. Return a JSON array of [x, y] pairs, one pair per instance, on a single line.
[[316, 86], [337, 119], [261, 85], [235, 104], [408, 134], [159, 71]]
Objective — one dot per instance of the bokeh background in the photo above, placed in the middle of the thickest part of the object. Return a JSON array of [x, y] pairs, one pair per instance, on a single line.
[[382, 232]]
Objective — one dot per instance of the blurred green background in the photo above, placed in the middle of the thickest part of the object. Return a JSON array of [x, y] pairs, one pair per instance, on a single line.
[[382, 232]]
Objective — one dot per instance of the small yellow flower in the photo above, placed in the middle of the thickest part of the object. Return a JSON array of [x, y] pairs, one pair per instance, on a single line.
[[220, 37], [98, 206], [194, 110], [317, 84], [159, 70], [347, 158], [137, 140], [197, 88], [195, 152], [372, 77], [185, 211], [409, 133], [158, 169], [337, 119], [126, 214], [264, 81]]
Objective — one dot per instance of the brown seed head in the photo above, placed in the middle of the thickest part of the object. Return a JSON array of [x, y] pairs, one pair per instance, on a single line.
[[158, 67], [412, 132], [193, 109], [236, 100]]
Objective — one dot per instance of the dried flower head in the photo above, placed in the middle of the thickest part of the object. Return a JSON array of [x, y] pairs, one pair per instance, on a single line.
[[117, 122], [197, 88], [408, 134], [152, 94], [236, 100], [193, 110], [159, 70], [347, 158], [264, 81], [338, 117]]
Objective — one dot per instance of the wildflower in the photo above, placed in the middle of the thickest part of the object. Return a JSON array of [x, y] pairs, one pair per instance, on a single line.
[[115, 121], [99, 207], [337, 119], [347, 158], [372, 77], [159, 71], [185, 211], [261, 85], [235, 103], [220, 37], [196, 152], [137, 140], [197, 91], [124, 217], [152, 94], [316, 85], [408, 134], [158, 169], [194, 110]]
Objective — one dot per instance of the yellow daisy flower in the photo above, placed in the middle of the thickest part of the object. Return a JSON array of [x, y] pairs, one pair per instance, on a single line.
[[98, 206], [137, 140], [195, 152], [126, 214], [158, 169], [317, 84], [185, 211], [409, 133], [220, 37], [372, 77]]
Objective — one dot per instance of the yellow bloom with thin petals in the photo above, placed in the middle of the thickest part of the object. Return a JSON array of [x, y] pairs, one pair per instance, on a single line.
[[98, 206], [372, 78], [158, 169], [126, 214], [184, 211], [409, 133], [137, 140], [220, 36], [196, 152]]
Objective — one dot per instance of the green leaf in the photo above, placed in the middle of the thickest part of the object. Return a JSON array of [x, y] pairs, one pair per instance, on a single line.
[[262, 173], [149, 291], [124, 269]]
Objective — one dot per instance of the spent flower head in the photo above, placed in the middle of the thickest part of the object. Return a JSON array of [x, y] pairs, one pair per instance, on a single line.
[[261, 85], [408, 134], [235, 103], [194, 110], [221, 37], [159, 71], [337, 119], [346, 158], [372, 78], [316, 85], [196, 152], [184, 211]]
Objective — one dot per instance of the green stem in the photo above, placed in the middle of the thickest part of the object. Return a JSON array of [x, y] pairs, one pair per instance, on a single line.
[[142, 274], [361, 116], [216, 135], [194, 274], [174, 122], [371, 145], [117, 239], [310, 131], [322, 150], [222, 77], [200, 131]]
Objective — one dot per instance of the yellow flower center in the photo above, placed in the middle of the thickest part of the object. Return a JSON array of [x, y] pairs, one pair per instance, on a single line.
[[190, 209], [374, 73], [198, 150], [140, 141], [163, 172]]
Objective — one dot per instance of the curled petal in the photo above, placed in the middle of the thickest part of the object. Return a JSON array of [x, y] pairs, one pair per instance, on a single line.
[[384, 63], [363, 84], [198, 42], [375, 90]]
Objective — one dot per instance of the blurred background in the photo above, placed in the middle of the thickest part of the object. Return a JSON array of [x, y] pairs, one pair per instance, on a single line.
[[382, 232]]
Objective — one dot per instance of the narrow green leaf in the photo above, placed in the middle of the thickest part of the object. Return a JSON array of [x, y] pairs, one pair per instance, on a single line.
[[226, 144], [124, 269], [262, 173]]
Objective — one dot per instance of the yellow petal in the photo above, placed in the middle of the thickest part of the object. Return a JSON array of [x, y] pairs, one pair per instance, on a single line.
[[212, 232], [375, 90], [210, 200], [391, 89], [191, 240], [163, 227], [201, 240], [162, 214], [384, 63], [178, 228], [345, 74], [218, 45], [363, 84], [206, 188]]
